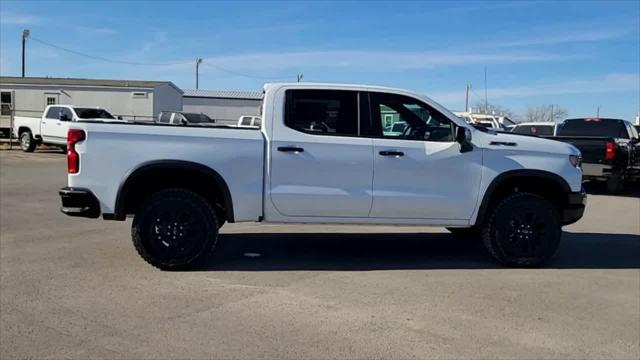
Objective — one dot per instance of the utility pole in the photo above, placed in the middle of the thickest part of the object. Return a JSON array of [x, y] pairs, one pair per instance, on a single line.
[[552, 119], [300, 76], [486, 101], [198, 62], [25, 35], [598, 112], [466, 98]]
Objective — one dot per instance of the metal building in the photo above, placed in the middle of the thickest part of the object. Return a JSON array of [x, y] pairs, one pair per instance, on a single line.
[[224, 106], [131, 99]]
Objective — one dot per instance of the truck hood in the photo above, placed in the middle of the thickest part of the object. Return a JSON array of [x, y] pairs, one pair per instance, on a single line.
[[516, 142]]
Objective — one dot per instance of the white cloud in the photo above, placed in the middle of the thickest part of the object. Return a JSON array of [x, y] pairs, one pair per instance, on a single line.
[[617, 82], [372, 60], [560, 38], [9, 18], [95, 30]]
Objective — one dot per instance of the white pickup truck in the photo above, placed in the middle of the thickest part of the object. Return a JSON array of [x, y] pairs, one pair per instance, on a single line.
[[52, 127], [321, 156]]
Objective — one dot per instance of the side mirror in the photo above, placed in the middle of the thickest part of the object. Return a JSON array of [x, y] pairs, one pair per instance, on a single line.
[[64, 117], [119, 117], [463, 137]]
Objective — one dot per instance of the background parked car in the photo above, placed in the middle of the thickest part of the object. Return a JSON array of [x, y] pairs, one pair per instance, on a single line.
[[52, 127], [179, 117], [249, 121], [489, 121], [610, 149]]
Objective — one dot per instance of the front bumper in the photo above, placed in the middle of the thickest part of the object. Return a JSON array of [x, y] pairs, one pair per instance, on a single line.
[[79, 202], [576, 203]]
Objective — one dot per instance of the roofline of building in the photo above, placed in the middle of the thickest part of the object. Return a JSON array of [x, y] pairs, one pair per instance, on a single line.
[[221, 97], [81, 82]]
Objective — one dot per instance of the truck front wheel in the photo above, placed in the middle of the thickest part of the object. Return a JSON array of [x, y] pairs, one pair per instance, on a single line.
[[27, 142], [523, 230], [175, 229]]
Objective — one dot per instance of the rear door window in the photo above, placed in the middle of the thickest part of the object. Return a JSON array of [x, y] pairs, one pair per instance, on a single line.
[[53, 113], [322, 112]]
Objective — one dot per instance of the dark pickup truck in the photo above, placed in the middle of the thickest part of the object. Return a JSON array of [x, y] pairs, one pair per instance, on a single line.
[[610, 149]]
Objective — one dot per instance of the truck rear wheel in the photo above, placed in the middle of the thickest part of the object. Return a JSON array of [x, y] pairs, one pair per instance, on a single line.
[[175, 229], [615, 184], [27, 142], [523, 230]]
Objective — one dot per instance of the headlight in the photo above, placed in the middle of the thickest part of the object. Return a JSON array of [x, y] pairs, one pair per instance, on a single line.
[[575, 160]]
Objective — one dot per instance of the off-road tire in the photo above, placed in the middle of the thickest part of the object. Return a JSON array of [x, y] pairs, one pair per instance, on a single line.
[[615, 184], [175, 229], [523, 230], [27, 142]]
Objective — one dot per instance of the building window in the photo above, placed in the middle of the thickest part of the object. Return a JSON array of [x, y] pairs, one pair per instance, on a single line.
[[5, 100], [139, 95], [51, 100]]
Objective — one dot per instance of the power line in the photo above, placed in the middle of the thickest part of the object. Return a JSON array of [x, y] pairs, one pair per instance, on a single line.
[[248, 75], [103, 58], [137, 63]]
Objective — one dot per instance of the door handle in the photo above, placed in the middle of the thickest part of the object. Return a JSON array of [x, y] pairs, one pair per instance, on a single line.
[[293, 149], [391, 153]]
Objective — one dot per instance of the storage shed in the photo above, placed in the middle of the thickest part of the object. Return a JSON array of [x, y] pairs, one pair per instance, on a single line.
[[131, 99]]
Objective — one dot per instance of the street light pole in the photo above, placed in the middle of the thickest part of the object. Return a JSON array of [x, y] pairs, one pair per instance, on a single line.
[[25, 35], [198, 62], [466, 98]]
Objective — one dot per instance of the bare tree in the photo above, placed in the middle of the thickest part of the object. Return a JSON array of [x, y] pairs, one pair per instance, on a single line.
[[545, 113], [492, 109]]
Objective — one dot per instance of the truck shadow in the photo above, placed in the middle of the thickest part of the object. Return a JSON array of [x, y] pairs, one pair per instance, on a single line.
[[599, 188], [397, 251]]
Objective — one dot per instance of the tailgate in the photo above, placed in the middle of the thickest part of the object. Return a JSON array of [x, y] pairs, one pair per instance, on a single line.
[[592, 148]]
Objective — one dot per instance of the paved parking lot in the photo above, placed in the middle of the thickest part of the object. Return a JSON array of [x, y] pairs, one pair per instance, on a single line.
[[76, 288]]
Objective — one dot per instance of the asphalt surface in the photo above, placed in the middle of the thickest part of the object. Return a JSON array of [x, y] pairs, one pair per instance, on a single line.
[[75, 288]]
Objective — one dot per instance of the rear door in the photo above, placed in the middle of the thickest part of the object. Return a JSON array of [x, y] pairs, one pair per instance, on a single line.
[[49, 122], [321, 165], [421, 173]]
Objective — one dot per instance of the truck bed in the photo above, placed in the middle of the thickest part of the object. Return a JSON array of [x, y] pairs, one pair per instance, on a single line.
[[115, 150]]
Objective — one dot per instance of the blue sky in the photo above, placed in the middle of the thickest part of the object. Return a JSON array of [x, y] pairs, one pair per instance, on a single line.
[[574, 54]]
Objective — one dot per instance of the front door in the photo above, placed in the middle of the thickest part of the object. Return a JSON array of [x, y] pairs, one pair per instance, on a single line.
[[320, 165], [419, 171]]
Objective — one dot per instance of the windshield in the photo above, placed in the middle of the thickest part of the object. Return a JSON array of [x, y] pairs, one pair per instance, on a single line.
[[594, 127], [89, 113]]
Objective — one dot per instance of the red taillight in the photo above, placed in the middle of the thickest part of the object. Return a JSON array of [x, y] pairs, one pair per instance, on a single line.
[[610, 152], [73, 158]]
